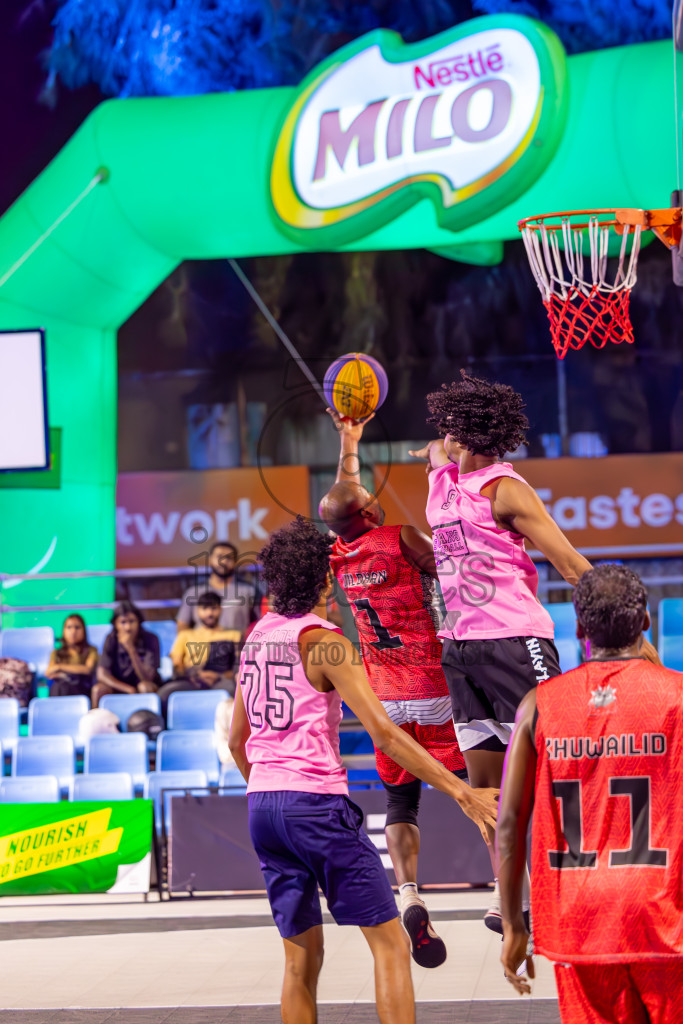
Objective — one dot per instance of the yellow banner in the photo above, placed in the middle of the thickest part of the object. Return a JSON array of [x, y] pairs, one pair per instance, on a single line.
[[61, 843]]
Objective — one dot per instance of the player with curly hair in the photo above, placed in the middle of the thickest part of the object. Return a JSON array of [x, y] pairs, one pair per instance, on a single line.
[[498, 638], [294, 672]]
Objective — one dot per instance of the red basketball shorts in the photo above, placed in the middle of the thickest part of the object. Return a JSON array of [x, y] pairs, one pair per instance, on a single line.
[[437, 740], [643, 992]]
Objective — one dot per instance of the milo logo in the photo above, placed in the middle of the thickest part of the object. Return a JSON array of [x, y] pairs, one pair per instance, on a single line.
[[468, 119]]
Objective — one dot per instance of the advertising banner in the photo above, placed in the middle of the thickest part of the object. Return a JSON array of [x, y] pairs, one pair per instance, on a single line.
[[75, 847], [469, 119], [169, 519], [210, 848], [618, 506]]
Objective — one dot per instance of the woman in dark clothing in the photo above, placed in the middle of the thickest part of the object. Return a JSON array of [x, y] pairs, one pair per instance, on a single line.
[[73, 663], [130, 658]]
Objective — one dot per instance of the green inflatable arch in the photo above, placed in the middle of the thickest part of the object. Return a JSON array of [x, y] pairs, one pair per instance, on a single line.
[[147, 183]]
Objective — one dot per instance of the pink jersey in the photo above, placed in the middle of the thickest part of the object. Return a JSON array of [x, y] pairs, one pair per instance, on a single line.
[[488, 581], [294, 741]]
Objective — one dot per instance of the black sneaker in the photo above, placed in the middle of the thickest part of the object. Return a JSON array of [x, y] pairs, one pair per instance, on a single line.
[[493, 918], [427, 949]]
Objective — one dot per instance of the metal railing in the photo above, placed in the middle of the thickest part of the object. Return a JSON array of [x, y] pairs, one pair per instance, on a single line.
[[545, 587]]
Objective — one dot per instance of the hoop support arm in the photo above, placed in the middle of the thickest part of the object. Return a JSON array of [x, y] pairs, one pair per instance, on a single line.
[[665, 224]]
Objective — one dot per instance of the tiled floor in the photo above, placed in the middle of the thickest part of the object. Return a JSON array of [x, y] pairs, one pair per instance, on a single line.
[[91, 960]]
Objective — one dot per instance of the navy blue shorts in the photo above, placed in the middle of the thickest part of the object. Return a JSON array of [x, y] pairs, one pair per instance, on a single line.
[[306, 840]]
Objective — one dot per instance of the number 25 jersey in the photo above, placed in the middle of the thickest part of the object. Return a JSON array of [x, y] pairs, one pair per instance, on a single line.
[[607, 846], [391, 602], [294, 741]]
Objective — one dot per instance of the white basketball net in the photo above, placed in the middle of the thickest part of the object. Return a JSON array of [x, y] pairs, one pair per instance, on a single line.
[[557, 276]]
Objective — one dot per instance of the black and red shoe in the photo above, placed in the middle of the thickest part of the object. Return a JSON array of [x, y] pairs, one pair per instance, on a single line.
[[427, 949]]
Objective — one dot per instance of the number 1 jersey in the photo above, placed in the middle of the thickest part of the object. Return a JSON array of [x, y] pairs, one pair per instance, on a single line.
[[392, 603], [607, 846]]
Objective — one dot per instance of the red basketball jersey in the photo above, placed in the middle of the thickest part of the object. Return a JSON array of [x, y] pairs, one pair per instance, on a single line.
[[607, 848], [392, 603]]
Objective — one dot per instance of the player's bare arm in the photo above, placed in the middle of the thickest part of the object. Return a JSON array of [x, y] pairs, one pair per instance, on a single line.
[[516, 506], [336, 670], [240, 731], [418, 549], [350, 434], [516, 805], [433, 453]]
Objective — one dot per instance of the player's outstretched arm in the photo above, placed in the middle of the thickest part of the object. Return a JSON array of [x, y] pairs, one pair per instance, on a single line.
[[516, 505], [418, 549], [433, 453], [240, 731], [516, 805], [329, 662], [350, 434]]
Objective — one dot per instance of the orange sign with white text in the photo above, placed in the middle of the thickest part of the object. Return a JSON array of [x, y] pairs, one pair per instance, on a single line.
[[620, 505], [166, 519]]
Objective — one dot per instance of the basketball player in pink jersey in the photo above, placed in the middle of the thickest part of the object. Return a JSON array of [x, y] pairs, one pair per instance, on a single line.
[[498, 638], [294, 671], [386, 573]]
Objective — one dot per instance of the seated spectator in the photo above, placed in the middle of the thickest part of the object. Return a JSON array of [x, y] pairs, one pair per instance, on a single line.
[[16, 680], [98, 722], [130, 657], [239, 605], [74, 662], [204, 657]]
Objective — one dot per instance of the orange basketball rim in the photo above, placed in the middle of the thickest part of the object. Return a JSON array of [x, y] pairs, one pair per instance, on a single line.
[[585, 264]]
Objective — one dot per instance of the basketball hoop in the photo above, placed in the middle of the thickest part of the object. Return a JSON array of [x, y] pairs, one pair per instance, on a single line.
[[588, 305]]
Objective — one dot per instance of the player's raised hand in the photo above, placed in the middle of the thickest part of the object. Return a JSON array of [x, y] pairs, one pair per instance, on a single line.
[[433, 453], [345, 425], [481, 805], [514, 956], [422, 453]]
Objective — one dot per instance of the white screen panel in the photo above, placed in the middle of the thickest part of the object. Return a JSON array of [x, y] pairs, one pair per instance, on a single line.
[[23, 441]]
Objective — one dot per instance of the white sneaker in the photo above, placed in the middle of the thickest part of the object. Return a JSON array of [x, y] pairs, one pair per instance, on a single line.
[[493, 918]]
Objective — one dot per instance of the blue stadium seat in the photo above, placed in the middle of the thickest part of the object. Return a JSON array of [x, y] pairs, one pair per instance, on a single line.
[[194, 709], [124, 704], [9, 724], [103, 786], [166, 630], [33, 644], [563, 615], [57, 716], [671, 632], [169, 784], [45, 755], [30, 789], [570, 653], [98, 633], [231, 778], [188, 748], [118, 752]]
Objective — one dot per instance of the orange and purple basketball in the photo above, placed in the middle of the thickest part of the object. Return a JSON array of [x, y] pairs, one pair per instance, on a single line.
[[355, 385]]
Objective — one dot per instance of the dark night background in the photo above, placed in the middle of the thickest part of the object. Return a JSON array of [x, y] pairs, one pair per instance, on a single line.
[[198, 341]]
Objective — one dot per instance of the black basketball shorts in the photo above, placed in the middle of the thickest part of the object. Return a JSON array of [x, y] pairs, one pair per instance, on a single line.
[[487, 679]]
